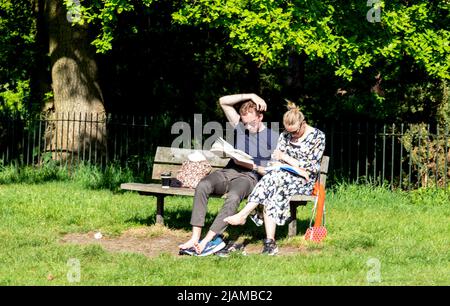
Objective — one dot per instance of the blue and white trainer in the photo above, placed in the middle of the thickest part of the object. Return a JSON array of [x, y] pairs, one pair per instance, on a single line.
[[213, 246]]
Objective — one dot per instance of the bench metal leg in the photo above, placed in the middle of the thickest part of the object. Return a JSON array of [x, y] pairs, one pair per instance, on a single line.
[[293, 218], [160, 210], [293, 223]]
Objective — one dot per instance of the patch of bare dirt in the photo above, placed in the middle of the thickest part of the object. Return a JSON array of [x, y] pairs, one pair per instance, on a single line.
[[150, 241], [155, 240]]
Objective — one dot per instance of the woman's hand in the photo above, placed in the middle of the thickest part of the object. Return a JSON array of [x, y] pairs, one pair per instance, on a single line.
[[276, 164], [303, 173], [278, 155]]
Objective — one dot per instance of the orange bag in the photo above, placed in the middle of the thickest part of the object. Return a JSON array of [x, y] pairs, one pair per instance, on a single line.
[[318, 232]]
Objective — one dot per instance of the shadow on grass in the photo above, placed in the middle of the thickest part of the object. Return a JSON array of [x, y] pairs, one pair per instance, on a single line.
[[180, 220]]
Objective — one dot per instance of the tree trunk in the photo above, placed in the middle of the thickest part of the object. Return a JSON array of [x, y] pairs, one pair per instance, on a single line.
[[77, 94]]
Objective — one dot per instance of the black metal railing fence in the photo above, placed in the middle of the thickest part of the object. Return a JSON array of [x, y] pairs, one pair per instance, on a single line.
[[405, 156]]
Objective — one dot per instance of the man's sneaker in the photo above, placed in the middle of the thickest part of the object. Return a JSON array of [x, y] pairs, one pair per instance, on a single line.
[[223, 253], [230, 248], [213, 246], [270, 247], [190, 251]]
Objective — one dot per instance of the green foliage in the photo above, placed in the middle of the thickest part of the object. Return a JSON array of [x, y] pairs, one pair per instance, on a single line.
[[111, 177], [14, 100], [88, 176], [104, 13], [430, 196], [187, 53], [11, 174], [429, 154], [340, 33], [443, 111], [17, 36]]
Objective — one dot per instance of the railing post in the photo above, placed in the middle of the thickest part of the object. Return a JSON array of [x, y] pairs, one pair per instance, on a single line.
[[401, 156], [357, 152], [446, 157], [96, 140], [67, 139], [392, 156], [410, 161], [73, 139], [428, 139], [62, 140], [375, 154], [367, 153], [384, 155], [436, 150], [349, 152]]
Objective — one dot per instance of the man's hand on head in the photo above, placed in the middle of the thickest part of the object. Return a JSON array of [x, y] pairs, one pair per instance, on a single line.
[[260, 103]]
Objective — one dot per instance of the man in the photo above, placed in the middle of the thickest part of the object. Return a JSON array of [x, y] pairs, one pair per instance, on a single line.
[[236, 180]]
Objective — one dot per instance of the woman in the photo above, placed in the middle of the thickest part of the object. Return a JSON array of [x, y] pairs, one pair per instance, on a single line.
[[300, 146]]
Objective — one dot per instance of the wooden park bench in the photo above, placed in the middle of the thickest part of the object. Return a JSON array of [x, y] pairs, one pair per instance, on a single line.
[[170, 159]]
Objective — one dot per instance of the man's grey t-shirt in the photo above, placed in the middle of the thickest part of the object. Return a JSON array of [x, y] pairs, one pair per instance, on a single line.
[[258, 145]]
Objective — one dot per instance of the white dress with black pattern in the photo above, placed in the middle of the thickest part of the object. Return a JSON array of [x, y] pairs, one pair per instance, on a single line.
[[276, 188]]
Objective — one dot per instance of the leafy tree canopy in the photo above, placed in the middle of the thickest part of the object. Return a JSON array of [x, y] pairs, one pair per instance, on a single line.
[[17, 34], [338, 31]]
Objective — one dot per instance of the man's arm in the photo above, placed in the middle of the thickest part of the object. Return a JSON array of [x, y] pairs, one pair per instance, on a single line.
[[227, 103], [259, 169]]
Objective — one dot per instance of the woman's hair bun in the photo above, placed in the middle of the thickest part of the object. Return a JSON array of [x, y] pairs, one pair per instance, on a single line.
[[291, 105]]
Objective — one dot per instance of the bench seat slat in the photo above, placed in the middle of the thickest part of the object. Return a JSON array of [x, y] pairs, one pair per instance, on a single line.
[[157, 189], [301, 198], [181, 191]]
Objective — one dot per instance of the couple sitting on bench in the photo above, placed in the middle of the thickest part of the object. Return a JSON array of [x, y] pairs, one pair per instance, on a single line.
[[300, 146]]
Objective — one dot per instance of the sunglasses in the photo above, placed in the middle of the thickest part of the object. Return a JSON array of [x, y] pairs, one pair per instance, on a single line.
[[297, 130]]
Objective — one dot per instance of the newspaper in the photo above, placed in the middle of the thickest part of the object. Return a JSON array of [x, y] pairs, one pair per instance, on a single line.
[[224, 149]]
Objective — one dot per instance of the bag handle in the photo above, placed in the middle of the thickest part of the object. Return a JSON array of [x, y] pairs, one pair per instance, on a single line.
[[319, 205]]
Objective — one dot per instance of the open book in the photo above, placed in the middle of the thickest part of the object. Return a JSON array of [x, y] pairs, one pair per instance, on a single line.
[[224, 149], [285, 167]]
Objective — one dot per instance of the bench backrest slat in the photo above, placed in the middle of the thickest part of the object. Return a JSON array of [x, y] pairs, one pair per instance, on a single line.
[[324, 164], [169, 159], [177, 156], [324, 169]]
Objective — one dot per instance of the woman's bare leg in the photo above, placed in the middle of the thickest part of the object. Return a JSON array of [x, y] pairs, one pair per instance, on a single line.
[[270, 226], [240, 217]]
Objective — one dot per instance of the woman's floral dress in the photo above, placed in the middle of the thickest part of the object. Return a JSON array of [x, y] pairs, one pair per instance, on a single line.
[[276, 188]]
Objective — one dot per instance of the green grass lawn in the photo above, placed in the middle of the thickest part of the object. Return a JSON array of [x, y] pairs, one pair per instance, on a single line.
[[406, 236]]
